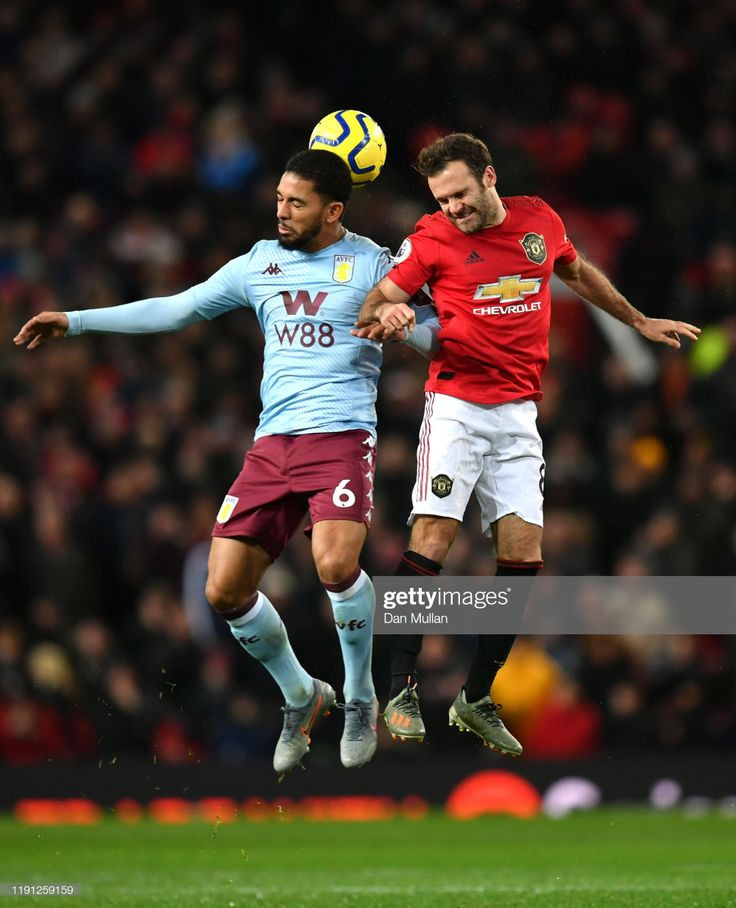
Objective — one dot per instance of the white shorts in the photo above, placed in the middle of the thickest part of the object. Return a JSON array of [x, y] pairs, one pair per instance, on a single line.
[[492, 449]]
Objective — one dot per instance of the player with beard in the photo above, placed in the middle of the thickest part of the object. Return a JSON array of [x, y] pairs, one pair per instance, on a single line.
[[314, 449], [488, 262]]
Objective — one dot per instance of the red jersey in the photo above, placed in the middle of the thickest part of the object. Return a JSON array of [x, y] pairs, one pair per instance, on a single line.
[[491, 291]]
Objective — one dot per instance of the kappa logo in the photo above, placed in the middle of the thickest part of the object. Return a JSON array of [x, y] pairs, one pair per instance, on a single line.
[[441, 485], [474, 258], [273, 268]]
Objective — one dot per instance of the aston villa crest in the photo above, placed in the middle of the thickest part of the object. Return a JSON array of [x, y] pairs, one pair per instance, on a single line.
[[342, 272], [534, 247]]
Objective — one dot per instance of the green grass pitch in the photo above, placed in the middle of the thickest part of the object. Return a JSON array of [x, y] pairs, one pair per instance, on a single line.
[[606, 859]]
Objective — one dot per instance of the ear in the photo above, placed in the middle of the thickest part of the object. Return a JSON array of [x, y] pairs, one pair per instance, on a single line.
[[333, 212], [489, 177]]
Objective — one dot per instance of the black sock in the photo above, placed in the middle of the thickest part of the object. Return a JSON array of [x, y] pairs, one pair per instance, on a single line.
[[492, 650], [406, 647]]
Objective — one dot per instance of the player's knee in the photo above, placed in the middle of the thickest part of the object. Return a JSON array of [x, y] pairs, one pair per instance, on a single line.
[[223, 596], [335, 566], [517, 540]]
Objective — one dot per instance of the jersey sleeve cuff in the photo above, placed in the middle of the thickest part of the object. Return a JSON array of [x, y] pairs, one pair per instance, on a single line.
[[396, 278], [423, 339], [568, 258], [75, 323]]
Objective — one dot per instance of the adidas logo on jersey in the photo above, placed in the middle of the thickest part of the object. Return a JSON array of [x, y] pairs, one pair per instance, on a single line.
[[474, 258], [273, 268]]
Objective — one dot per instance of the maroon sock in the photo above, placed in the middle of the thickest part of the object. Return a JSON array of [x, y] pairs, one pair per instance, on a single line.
[[230, 614]]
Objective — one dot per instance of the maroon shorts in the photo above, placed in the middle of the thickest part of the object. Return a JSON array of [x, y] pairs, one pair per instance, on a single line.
[[329, 474]]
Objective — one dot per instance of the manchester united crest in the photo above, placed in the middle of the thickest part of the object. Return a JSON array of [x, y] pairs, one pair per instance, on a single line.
[[441, 485], [534, 247]]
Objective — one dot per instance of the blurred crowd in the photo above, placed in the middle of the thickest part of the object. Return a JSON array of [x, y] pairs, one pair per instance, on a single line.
[[140, 151]]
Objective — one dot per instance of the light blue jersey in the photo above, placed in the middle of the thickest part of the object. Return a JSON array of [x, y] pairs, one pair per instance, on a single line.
[[317, 377]]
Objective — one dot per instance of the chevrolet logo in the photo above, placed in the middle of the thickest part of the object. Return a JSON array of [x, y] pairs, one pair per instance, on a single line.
[[509, 289]]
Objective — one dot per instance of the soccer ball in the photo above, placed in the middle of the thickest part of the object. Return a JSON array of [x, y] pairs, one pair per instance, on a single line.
[[356, 138]]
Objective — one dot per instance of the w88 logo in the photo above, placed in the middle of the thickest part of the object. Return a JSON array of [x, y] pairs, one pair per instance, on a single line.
[[305, 334]]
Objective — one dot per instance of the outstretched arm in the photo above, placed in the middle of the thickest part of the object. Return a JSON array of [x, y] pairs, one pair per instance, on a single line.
[[167, 313], [220, 293], [592, 284]]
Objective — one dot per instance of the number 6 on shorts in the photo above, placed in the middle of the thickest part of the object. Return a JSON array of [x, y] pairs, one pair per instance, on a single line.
[[343, 497]]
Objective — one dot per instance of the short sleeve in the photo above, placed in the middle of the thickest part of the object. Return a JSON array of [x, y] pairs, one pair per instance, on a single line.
[[382, 265], [415, 262], [564, 252]]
